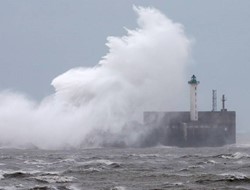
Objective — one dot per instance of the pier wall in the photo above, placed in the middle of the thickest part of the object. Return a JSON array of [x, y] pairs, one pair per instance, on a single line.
[[175, 128]]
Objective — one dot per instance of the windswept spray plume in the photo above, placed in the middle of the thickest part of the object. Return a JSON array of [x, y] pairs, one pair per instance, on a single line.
[[103, 105]]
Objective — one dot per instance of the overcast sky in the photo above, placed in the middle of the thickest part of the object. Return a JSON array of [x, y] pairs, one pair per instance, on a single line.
[[40, 39]]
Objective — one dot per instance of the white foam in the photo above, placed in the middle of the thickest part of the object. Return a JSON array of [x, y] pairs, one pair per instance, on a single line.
[[237, 175], [212, 162], [8, 187], [36, 162], [237, 155], [149, 155], [118, 188], [55, 179], [105, 162], [1, 175]]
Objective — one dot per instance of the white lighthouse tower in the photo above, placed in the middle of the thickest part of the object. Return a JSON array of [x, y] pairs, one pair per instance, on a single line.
[[193, 98]]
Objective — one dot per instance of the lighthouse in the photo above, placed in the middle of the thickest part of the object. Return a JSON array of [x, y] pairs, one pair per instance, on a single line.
[[193, 98]]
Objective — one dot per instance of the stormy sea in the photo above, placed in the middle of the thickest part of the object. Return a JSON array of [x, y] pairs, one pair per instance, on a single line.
[[153, 168], [144, 70]]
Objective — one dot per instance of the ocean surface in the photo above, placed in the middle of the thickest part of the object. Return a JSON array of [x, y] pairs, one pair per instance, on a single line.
[[124, 169]]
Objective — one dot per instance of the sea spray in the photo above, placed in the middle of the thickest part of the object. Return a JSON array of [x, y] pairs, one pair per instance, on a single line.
[[143, 70]]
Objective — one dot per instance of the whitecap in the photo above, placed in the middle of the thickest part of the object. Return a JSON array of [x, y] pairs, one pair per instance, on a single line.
[[54, 179], [237, 155], [118, 188], [105, 162], [236, 175], [1, 174]]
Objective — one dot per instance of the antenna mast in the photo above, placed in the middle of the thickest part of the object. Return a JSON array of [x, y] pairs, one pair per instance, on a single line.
[[214, 108], [223, 103]]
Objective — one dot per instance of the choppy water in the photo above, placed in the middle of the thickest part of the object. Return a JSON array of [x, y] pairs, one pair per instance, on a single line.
[[124, 169]]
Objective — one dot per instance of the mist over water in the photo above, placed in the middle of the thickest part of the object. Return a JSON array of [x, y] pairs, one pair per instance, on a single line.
[[101, 106]]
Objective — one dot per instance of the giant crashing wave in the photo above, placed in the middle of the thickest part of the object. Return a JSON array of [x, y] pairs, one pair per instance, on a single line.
[[103, 105]]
